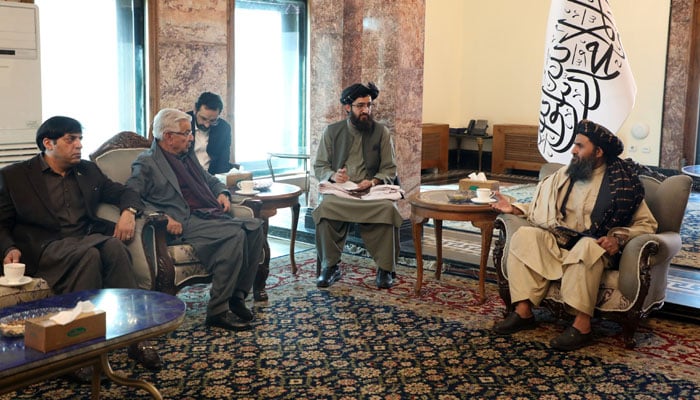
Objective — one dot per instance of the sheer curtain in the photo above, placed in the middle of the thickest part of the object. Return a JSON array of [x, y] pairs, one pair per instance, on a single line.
[[270, 58], [92, 65]]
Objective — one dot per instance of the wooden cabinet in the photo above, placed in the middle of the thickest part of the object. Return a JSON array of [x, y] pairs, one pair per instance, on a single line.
[[515, 147], [435, 146]]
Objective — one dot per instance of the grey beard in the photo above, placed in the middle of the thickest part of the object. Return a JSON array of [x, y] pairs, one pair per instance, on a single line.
[[581, 170]]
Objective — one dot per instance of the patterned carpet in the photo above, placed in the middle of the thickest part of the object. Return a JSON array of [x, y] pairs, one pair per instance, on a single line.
[[353, 341]]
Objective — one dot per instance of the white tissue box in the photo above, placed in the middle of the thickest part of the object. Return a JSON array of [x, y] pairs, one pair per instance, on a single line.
[[466, 183], [45, 335]]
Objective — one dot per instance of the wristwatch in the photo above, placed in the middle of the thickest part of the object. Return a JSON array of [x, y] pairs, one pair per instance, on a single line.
[[133, 211]]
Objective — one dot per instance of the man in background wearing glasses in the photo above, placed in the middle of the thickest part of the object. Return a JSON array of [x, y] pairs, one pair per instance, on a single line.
[[212, 135], [357, 149], [171, 180]]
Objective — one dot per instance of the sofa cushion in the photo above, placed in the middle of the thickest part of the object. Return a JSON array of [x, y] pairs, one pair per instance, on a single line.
[[182, 254]]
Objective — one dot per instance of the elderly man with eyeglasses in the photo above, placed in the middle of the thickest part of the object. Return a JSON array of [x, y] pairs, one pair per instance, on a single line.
[[171, 180], [357, 149], [212, 135]]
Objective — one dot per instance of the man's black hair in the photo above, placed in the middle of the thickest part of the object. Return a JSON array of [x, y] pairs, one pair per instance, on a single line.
[[211, 100], [55, 127]]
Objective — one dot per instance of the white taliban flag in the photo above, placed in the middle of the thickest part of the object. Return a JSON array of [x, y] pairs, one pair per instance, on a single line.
[[586, 75]]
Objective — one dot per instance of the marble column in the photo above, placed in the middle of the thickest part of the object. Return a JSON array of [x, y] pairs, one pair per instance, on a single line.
[[371, 40], [190, 46], [676, 88]]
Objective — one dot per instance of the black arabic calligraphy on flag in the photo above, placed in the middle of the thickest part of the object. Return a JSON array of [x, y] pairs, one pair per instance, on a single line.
[[586, 75]]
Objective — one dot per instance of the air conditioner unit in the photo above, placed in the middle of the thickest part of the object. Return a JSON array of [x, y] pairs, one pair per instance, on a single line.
[[20, 81]]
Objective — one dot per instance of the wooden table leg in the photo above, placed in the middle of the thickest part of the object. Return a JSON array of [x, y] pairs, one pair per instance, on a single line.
[[293, 238], [264, 268], [486, 236], [438, 247], [418, 246]]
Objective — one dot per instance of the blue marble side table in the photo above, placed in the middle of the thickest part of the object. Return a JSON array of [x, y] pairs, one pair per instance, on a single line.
[[133, 315]]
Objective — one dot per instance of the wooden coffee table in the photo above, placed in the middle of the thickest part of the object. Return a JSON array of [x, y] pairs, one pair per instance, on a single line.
[[133, 315], [278, 195], [436, 205]]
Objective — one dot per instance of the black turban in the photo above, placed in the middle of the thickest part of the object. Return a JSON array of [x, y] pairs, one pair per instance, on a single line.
[[612, 146], [352, 92]]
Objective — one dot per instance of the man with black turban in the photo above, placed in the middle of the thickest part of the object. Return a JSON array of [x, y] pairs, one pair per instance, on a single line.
[[357, 149], [597, 194]]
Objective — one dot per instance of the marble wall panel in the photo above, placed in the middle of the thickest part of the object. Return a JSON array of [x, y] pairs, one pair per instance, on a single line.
[[193, 21], [191, 37], [676, 87], [326, 16], [325, 72], [186, 72], [382, 42]]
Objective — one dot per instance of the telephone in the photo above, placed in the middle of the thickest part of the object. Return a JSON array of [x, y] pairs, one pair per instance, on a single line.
[[478, 127]]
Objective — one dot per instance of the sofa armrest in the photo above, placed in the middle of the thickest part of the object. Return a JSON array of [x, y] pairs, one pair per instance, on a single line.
[[240, 211], [253, 204], [143, 271], [647, 257], [507, 224]]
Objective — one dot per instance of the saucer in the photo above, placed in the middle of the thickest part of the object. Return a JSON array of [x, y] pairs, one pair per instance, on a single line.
[[252, 192], [22, 281], [487, 201], [13, 325]]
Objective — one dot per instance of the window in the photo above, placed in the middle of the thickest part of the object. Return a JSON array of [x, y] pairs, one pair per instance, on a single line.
[[92, 65], [270, 70]]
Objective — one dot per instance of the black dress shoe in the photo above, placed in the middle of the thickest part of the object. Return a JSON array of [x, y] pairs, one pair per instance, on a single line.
[[238, 307], [260, 295], [228, 320], [514, 323], [571, 339], [384, 279], [328, 276], [145, 355]]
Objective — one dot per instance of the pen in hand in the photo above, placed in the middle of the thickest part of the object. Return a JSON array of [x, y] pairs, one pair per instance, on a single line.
[[341, 175]]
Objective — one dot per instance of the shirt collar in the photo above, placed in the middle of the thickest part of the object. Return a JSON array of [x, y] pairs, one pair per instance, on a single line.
[[45, 167]]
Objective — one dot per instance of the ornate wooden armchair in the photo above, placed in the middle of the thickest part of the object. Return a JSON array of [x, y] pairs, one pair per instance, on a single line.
[[638, 286], [156, 265]]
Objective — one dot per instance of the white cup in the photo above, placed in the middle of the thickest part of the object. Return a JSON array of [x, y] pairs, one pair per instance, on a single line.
[[483, 194], [13, 272], [246, 186]]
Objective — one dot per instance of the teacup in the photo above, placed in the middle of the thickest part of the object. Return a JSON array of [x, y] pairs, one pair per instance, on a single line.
[[246, 186], [483, 194], [13, 272]]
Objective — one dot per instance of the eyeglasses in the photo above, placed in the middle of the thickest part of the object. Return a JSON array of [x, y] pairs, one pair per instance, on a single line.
[[185, 133], [211, 122], [361, 106]]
